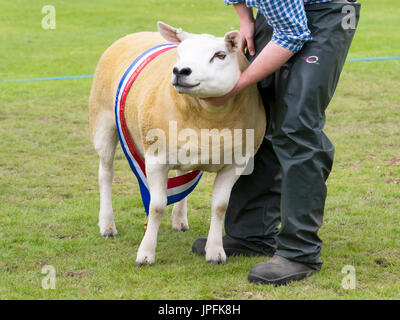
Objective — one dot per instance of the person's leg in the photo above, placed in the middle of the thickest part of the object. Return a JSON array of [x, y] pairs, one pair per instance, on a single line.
[[304, 88], [253, 213]]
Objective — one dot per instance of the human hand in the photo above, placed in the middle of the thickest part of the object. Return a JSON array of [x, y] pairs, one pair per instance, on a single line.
[[247, 29], [218, 101]]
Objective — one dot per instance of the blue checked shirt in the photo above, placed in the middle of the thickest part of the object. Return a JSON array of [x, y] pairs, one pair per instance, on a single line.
[[287, 18]]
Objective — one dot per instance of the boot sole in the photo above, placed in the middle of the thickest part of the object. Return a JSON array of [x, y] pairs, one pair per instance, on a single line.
[[252, 278]]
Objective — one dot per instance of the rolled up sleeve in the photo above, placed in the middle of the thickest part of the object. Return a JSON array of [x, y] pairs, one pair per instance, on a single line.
[[287, 18], [228, 2], [289, 21]]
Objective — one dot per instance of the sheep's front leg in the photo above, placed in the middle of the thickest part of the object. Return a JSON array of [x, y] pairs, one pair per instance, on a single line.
[[223, 184], [157, 177]]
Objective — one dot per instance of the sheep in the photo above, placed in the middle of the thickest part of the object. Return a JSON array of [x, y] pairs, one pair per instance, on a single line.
[[170, 90]]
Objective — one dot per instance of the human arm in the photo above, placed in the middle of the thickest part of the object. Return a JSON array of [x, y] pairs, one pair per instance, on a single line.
[[247, 27], [270, 59], [289, 21]]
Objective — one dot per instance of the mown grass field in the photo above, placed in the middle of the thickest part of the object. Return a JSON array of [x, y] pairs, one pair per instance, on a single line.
[[48, 169]]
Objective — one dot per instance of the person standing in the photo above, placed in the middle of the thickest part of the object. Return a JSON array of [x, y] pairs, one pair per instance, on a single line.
[[297, 49]]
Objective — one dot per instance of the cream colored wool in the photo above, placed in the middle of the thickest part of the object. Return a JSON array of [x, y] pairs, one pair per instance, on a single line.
[[152, 103]]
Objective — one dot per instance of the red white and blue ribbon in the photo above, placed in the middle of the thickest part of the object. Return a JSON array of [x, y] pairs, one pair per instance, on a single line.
[[178, 187]]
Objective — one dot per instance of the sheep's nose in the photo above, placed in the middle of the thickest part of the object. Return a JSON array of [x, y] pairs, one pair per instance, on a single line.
[[182, 72]]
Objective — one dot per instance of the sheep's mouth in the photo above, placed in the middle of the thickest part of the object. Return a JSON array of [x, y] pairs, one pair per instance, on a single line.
[[185, 85]]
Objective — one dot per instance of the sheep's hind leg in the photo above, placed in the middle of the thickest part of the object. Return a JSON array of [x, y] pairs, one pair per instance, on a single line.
[[179, 212], [105, 142]]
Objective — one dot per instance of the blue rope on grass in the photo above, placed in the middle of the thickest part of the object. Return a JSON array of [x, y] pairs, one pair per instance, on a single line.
[[373, 59], [49, 78], [91, 75]]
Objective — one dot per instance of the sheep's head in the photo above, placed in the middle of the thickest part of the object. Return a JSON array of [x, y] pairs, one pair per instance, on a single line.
[[207, 66]]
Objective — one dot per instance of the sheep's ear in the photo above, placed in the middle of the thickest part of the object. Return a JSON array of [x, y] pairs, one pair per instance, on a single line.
[[233, 41], [172, 34]]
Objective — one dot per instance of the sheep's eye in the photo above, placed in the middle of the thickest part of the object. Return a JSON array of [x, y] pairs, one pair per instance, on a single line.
[[219, 55]]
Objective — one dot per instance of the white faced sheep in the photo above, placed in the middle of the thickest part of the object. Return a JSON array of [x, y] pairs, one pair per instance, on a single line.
[[169, 91]]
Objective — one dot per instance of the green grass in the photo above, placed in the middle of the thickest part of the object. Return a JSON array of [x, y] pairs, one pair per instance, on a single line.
[[48, 186]]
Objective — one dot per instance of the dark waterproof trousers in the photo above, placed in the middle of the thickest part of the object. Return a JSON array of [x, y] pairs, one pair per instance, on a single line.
[[291, 167]]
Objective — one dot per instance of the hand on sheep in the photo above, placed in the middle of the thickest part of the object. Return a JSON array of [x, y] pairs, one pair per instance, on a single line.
[[243, 82], [219, 101]]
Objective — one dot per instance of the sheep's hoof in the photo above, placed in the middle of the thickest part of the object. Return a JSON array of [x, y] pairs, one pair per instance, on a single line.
[[216, 262], [109, 233], [106, 236], [140, 264], [144, 262], [217, 257], [181, 227], [108, 229], [145, 258]]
